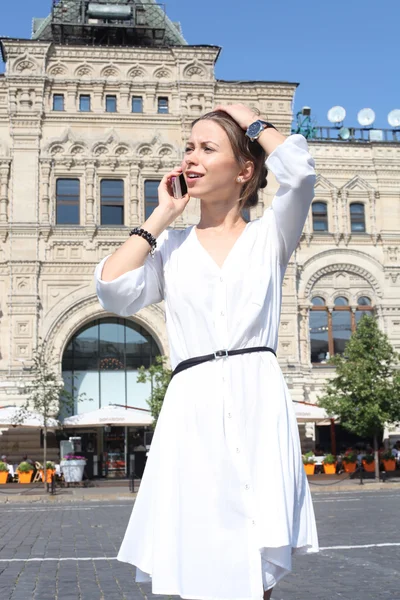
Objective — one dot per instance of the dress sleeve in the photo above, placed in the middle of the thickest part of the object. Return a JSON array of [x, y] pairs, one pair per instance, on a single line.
[[294, 169], [132, 291]]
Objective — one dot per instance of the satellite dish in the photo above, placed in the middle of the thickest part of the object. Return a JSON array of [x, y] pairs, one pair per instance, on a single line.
[[344, 133], [394, 118], [336, 114], [366, 117]]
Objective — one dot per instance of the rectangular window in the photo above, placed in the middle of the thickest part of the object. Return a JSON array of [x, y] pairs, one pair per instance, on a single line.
[[58, 101], [111, 103], [150, 197], [137, 104], [84, 103], [112, 201], [163, 106], [67, 202]]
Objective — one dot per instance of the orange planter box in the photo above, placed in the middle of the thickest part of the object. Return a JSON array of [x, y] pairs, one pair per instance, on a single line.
[[24, 477], [389, 465], [309, 468], [369, 467], [330, 469], [49, 473], [3, 476], [349, 467]]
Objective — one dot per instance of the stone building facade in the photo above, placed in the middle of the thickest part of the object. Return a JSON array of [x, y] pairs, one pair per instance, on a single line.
[[47, 135]]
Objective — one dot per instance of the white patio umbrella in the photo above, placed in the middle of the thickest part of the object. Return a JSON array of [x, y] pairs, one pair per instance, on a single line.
[[111, 415], [14, 416], [309, 413], [312, 413]]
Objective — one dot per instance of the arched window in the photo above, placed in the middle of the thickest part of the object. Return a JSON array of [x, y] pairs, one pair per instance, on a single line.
[[357, 217], [320, 216], [102, 360], [330, 330]]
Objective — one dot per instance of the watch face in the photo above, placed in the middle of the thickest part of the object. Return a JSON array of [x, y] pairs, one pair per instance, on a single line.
[[254, 129]]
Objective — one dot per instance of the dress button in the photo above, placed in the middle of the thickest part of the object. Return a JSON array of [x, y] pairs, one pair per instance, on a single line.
[[237, 450], [253, 522], [246, 487], [221, 279], [229, 416], [222, 313]]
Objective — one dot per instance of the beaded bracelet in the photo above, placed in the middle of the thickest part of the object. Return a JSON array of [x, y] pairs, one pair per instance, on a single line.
[[148, 237]]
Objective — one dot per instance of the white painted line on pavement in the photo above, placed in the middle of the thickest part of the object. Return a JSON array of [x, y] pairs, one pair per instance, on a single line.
[[360, 546], [57, 559], [338, 500], [87, 558], [63, 507]]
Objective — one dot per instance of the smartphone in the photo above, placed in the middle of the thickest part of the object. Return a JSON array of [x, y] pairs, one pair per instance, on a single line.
[[179, 187]]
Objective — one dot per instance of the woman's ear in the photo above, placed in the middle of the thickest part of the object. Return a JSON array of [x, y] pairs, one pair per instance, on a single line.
[[247, 172]]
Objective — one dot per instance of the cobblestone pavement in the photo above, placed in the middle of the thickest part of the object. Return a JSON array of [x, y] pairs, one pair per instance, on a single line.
[[37, 543]]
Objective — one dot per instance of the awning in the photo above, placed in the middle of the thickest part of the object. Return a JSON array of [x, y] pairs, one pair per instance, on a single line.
[[111, 415], [310, 413], [14, 416]]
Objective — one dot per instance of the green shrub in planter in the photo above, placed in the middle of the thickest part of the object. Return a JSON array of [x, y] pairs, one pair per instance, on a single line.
[[387, 455], [330, 459], [369, 458], [3, 466], [351, 457], [25, 467], [308, 458], [50, 465]]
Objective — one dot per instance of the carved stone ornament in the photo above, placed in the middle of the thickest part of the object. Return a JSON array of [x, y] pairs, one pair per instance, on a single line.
[[162, 73], [145, 151], [84, 71], [137, 73], [57, 69], [25, 66], [57, 149], [194, 71], [110, 71], [100, 150]]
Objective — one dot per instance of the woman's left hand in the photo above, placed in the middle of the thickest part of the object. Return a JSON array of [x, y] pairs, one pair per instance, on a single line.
[[243, 115]]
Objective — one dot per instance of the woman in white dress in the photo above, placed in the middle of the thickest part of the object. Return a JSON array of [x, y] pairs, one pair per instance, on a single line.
[[224, 501]]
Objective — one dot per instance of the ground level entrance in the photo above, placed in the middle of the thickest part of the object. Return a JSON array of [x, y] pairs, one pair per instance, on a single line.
[[112, 451]]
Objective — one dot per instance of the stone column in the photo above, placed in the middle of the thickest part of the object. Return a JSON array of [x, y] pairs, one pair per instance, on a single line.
[[45, 197], [304, 336], [134, 199], [4, 173], [89, 208]]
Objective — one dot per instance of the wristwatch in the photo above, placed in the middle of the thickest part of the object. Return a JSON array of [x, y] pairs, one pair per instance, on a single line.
[[255, 129]]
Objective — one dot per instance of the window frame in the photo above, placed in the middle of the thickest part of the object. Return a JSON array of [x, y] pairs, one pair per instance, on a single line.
[[162, 112], [357, 220], [108, 97], [353, 323], [80, 102], [104, 203], [149, 180], [58, 96], [319, 216], [137, 112], [67, 203]]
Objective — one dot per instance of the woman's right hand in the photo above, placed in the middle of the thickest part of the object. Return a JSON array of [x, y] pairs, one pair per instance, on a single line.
[[166, 201]]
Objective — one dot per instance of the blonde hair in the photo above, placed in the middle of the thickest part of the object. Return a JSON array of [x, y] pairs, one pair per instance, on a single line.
[[244, 150]]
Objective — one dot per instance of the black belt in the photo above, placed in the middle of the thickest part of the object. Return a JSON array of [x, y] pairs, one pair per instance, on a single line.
[[197, 360]]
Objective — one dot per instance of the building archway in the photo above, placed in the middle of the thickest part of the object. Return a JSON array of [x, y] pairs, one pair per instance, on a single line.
[[101, 360]]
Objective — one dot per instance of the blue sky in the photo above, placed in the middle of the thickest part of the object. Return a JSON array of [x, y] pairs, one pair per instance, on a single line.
[[341, 52]]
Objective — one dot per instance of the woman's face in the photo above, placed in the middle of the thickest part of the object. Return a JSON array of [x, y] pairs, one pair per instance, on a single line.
[[209, 166]]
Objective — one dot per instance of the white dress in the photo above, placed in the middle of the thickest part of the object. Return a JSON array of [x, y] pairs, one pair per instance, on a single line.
[[224, 501]]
